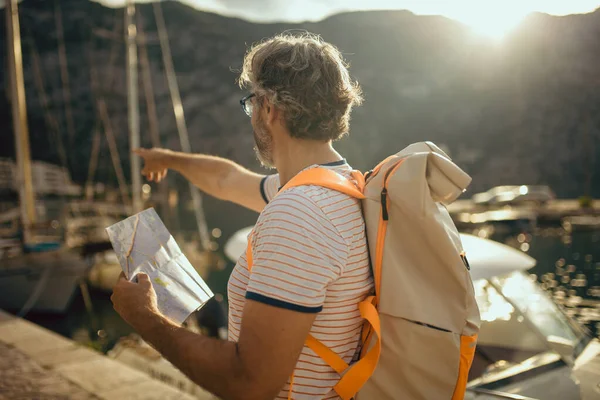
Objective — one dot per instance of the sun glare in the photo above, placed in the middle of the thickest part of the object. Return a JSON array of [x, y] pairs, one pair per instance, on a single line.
[[495, 28], [492, 22], [493, 19]]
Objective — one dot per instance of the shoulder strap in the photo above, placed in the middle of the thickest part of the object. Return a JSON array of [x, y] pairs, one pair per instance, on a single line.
[[330, 179], [321, 177]]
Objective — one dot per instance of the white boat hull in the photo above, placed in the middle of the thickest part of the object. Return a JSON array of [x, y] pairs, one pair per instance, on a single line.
[[40, 282]]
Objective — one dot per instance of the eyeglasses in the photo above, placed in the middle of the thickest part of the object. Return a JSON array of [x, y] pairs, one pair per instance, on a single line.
[[247, 106]]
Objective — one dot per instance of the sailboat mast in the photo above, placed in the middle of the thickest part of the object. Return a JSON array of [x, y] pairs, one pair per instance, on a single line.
[[153, 125], [19, 116], [133, 105]]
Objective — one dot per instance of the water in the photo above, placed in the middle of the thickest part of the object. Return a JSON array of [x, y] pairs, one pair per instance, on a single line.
[[103, 327], [568, 267]]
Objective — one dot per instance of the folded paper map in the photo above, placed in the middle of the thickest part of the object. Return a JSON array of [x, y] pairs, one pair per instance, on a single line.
[[143, 244]]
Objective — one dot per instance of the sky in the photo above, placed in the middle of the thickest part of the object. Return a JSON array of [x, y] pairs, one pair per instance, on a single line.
[[492, 18], [489, 17]]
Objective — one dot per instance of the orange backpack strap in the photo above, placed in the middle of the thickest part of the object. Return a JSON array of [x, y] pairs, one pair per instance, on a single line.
[[329, 356], [355, 376], [329, 179], [321, 177], [249, 251], [360, 372]]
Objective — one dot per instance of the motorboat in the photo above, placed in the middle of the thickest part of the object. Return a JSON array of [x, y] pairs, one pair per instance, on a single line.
[[528, 347]]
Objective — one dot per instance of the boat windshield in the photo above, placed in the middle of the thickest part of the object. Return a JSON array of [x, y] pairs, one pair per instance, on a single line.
[[509, 336], [520, 289]]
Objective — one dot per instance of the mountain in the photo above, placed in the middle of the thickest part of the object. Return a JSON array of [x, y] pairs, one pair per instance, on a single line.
[[523, 111]]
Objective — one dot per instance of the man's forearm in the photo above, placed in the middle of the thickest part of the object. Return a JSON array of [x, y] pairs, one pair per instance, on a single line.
[[211, 363], [204, 171]]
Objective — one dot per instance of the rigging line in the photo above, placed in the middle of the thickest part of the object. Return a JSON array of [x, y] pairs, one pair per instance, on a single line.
[[93, 164], [64, 73], [96, 139], [51, 121], [147, 81], [114, 152], [110, 137], [95, 151], [180, 119]]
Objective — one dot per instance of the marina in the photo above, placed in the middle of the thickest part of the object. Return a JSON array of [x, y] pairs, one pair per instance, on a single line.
[[534, 257], [563, 264]]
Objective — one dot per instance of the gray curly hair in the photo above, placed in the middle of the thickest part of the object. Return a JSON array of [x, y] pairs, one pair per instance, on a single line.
[[306, 78]]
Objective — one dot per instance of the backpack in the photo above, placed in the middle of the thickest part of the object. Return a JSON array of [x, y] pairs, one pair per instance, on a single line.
[[421, 326]]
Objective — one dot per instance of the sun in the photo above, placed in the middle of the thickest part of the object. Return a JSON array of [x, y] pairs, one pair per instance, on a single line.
[[495, 26], [491, 20]]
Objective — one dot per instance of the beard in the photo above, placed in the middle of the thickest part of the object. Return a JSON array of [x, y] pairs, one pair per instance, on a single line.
[[263, 144]]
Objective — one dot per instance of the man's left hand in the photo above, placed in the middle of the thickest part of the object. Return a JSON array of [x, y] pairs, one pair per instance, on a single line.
[[136, 302]]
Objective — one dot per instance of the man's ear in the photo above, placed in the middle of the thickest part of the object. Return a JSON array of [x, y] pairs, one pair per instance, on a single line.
[[272, 113]]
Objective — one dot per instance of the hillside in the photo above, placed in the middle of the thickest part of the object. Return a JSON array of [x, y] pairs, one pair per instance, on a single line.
[[517, 112]]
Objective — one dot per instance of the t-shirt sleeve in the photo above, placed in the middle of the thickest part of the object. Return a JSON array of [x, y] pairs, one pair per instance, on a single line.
[[297, 253], [269, 186]]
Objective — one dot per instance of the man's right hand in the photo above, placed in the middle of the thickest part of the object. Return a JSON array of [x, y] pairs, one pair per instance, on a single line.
[[156, 162], [218, 177]]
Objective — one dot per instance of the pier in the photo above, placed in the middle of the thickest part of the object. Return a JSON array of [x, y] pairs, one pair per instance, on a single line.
[[558, 212]]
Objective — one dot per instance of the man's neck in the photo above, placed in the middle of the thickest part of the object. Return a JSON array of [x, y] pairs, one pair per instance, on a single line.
[[301, 154]]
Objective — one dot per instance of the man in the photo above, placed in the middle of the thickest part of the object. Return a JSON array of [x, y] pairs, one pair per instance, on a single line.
[[310, 260]]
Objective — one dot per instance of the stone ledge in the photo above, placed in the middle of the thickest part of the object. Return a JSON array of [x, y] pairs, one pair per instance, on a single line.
[[38, 363]]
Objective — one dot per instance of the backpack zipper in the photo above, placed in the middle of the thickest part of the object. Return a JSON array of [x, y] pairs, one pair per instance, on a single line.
[[463, 257], [384, 209]]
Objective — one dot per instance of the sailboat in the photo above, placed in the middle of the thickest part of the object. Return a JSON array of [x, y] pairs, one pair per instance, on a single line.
[[37, 271]]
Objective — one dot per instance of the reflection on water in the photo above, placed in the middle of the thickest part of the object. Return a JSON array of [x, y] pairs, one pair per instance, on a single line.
[[568, 265]]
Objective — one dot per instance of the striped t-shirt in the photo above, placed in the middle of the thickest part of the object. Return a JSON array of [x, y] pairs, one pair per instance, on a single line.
[[310, 255]]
